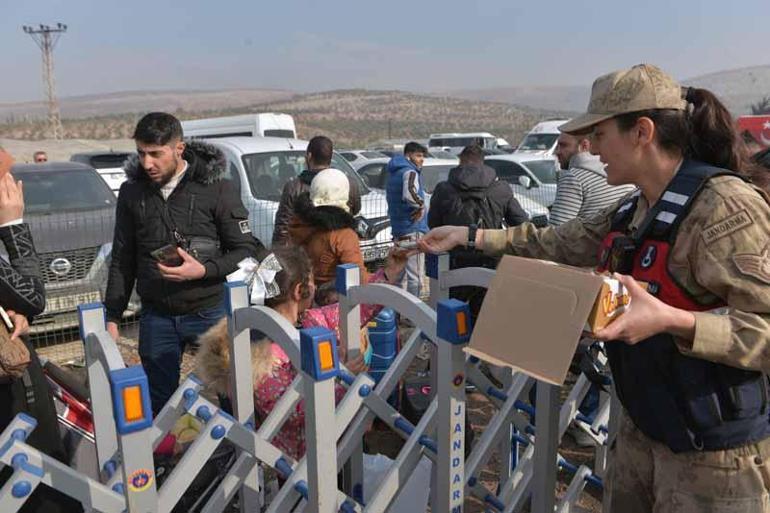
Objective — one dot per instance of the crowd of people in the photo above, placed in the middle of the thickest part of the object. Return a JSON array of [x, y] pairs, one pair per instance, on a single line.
[[656, 186]]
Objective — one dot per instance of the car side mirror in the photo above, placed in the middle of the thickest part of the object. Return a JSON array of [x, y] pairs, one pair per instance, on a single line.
[[525, 181]]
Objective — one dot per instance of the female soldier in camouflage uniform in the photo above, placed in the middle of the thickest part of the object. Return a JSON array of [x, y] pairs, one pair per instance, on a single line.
[[690, 355]]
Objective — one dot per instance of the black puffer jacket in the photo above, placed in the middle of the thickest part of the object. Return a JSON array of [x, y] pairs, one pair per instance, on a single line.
[[465, 186], [468, 182], [204, 208], [291, 191]]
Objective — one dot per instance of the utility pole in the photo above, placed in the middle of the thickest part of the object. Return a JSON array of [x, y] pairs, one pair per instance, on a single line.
[[46, 38]]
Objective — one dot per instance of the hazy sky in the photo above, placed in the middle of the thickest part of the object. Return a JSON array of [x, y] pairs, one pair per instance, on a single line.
[[419, 45]]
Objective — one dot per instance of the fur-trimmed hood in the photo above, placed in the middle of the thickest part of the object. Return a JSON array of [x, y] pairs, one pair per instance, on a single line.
[[309, 219], [212, 362], [207, 164]]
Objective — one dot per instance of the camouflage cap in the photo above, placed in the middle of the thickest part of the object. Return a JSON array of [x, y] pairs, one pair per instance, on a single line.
[[642, 87]]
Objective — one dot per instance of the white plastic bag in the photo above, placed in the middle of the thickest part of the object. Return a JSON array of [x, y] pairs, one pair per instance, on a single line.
[[413, 497]]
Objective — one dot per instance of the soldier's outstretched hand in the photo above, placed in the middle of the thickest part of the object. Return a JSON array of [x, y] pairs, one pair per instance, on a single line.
[[443, 238]]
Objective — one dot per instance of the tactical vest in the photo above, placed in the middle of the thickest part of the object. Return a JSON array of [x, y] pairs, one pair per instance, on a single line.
[[684, 402]]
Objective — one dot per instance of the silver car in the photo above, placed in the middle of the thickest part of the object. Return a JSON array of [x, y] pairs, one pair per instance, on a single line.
[[109, 165], [259, 167], [435, 171], [533, 179]]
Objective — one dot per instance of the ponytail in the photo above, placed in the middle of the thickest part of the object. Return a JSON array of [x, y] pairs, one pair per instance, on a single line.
[[705, 132], [713, 138]]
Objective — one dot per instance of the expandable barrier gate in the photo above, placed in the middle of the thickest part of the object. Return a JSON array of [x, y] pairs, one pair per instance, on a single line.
[[126, 434]]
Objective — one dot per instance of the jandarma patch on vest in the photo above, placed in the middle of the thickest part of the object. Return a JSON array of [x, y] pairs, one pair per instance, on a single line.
[[244, 226], [757, 266], [723, 228]]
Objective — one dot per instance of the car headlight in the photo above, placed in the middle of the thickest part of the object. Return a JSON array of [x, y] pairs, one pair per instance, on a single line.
[[362, 228], [105, 252]]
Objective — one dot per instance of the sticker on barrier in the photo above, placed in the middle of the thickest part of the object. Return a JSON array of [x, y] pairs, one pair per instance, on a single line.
[[140, 480]]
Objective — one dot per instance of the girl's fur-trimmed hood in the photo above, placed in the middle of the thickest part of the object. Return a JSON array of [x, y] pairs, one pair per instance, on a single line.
[[324, 218], [207, 164], [212, 362]]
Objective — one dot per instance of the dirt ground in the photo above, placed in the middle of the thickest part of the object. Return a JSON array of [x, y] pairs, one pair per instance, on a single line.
[[479, 412]]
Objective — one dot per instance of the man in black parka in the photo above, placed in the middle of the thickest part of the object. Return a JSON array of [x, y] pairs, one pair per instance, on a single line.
[[174, 196]]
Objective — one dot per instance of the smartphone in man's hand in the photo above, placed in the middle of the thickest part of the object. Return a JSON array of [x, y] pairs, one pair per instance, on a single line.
[[167, 255]]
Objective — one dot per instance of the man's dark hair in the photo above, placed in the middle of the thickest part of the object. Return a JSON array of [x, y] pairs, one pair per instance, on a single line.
[[321, 148], [473, 154], [158, 128], [414, 147]]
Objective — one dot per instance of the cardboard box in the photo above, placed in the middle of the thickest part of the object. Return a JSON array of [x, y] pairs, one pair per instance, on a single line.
[[535, 312]]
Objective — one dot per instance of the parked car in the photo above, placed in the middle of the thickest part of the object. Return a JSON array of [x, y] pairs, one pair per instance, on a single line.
[[541, 140], [437, 170], [433, 175], [71, 213], [375, 175], [532, 179], [441, 154], [259, 168], [455, 142], [360, 157], [108, 164]]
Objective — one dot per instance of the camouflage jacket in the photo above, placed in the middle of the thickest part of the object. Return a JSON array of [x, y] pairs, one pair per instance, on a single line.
[[722, 251]]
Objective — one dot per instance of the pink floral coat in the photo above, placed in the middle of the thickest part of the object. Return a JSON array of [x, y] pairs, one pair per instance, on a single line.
[[269, 390]]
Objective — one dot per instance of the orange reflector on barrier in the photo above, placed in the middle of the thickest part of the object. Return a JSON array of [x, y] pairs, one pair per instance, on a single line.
[[462, 324], [325, 357], [132, 403]]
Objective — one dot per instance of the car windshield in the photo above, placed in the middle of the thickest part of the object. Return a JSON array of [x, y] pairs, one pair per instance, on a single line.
[[268, 172], [441, 154], [461, 142], [372, 155], [544, 170], [64, 191], [538, 142], [433, 175], [109, 160]]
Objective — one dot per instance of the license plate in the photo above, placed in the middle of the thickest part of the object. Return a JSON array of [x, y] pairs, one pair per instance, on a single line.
[[375, 253], [71, 302]]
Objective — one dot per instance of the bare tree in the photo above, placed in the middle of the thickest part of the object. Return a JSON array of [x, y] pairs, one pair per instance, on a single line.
[[761, 107]]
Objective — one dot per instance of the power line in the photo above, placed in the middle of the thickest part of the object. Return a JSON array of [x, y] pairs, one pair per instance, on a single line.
[[46, 38]]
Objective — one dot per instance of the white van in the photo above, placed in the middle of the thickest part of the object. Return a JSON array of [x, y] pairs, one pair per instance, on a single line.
[[541, 140], [454, 143], [266, 124]]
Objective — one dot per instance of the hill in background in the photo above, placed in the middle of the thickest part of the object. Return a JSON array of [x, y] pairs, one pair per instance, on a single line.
[[357, 117], [351, 118], [738, 88], [127, 102]]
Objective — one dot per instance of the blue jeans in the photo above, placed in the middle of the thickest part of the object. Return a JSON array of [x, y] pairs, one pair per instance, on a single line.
[[162, 340]]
